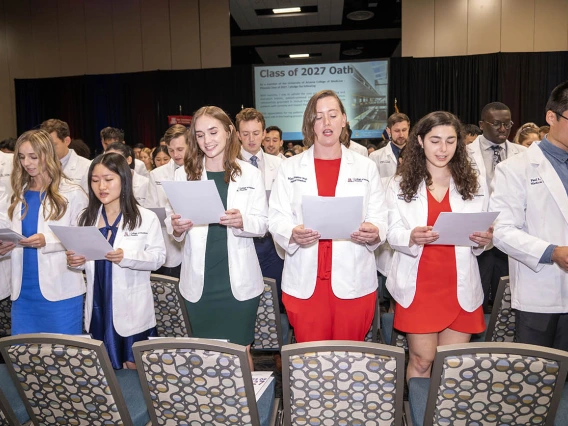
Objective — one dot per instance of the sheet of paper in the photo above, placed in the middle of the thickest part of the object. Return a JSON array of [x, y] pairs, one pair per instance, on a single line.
[[455, 228], [198, 200], [83, 240], [161, 213], [333, 217], [9, 236], [260, 381]]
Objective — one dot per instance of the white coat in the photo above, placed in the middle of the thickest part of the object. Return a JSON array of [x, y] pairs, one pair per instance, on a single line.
[[140, 168], [132, 300], [474, 151], [157, 197], [6, 161], [247, 194], [56, 280], [140, 188], [353, 265], [358, 148], [534, 214], [271, 165], [384, 253], [403, 218], [385, 160], [77, 170]]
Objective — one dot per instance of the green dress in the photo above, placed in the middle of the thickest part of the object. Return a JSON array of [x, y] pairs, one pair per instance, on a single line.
[[218, 315]]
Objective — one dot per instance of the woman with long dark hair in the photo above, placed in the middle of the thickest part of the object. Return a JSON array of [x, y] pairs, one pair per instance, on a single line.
[[221, 279], [46, 294], [119, 309], [437, 288]]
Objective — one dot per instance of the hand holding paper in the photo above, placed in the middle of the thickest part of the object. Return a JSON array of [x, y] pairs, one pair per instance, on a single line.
[[333, 217], [464, 229], [86, 241]]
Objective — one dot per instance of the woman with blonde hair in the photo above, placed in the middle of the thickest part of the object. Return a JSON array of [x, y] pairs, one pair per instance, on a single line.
[[46, 293], [220, 275], [146, 158]]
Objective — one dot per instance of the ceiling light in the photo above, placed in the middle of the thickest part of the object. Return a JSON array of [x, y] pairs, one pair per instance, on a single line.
[[299, 55], [360, 15], [287, 10], [352, 52]]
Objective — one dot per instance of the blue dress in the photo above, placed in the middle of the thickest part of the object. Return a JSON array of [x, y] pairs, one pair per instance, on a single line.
[[119, 348], [31, 312]]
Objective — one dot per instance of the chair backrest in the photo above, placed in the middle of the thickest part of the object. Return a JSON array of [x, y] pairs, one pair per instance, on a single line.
[[268, 326], [342, 382], [7, 415], [196, 381], [501, 326], [5, 317], [171, 313], [495, 383], [65, 379], [374, 331]]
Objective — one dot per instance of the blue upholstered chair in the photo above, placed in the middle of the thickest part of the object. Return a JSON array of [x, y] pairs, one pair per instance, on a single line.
[[489, 384], [342, 382], [69, 380], [189, 381], [271, 329], [171, 314], [12, 409]]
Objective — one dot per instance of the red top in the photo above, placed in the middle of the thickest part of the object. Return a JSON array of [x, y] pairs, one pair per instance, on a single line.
[[435, 306], [327, 173]]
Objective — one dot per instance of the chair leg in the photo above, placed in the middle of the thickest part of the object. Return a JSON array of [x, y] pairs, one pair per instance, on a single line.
[[276, 416], [407, 414]]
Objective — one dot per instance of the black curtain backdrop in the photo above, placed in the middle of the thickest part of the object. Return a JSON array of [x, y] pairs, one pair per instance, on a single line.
[[139, 103], [464, 84]]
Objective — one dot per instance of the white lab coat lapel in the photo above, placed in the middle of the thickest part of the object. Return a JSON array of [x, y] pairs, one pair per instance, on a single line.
[[345, 172], [551, 179], [308, 169], [119, 233], [457, 202]]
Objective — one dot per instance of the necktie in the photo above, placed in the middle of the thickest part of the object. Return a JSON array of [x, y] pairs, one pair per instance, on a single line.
[[496, 155], [254, 161]]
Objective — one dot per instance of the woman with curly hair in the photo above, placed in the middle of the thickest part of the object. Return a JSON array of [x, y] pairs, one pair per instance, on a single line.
[[436, 304]]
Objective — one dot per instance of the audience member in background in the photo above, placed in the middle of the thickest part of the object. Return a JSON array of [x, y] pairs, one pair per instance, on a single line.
[[273, 142], [81, 148], [74, 166], [289, 153], [162, 142], [371, 148], [47, 296], [160, 156], [435, 305], [386, 159], [530, 194], [523, 127], [176, 140], [488, 150], [354, 146], [471, 133], [221, 279], [542, 131], [290, 145], [329, 286], [527, 136], [139, 183], [146, 158], [137, 149], [250, 130], [6, 164], [119, 309], [298, 149], [7, 145], [111, 135]]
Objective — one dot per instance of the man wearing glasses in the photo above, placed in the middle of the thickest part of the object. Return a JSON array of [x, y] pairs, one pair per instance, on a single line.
[[530, 191], [488, 150]]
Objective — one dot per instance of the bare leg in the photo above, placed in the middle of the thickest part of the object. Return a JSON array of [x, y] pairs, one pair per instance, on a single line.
[[451, 337], [129, 365], [251, 364], [422, 348]]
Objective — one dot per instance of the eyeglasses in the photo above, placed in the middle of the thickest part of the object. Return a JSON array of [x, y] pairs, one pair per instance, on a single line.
[[557, 113], [497, 125]]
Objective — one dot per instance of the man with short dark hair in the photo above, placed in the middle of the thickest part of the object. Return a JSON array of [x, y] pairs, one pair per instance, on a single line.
[[74, 166], [487, 150], [386, 158], [471, 133], [273, 142], [110, 135], [530, 192]]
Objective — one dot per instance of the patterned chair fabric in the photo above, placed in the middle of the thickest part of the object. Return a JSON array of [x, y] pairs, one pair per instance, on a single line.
[[171, 318], [501, 327], [342, 387], [196, 386], [495, 389], [268, 328], [5, 317], [65, 384]]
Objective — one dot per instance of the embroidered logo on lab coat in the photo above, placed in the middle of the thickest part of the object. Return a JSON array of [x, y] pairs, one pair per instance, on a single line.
[[536, 181], [244, 188], [293, 179], [357, 180]]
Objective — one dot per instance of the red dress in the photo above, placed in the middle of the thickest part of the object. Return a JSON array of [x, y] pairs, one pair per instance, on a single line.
[[324, 316], [435, 306]]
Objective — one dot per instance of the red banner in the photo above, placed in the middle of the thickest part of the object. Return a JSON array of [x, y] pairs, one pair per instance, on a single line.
[[179, 119]]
